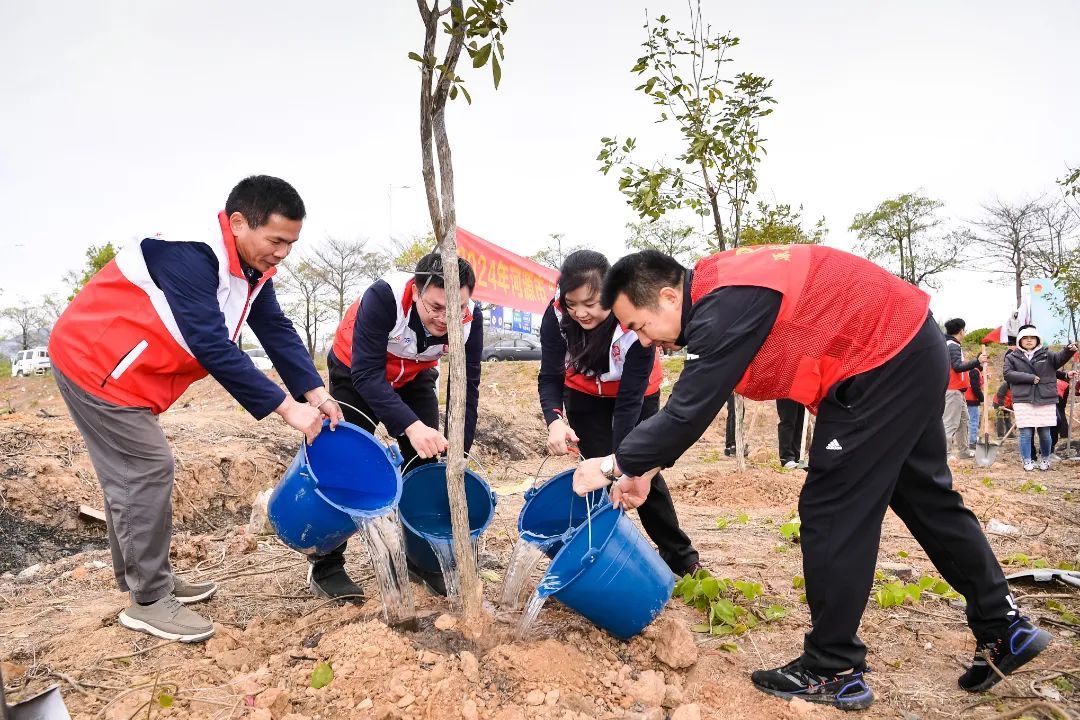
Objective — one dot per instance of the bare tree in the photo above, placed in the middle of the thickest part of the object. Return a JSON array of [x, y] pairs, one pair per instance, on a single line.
[[28, 319], [1056, 239], [304, 291], [553, 254], [678, 241], [340, 263], [1005, 239]]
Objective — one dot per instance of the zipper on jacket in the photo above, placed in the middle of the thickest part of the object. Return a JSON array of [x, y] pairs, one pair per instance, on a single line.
[[113, 373]]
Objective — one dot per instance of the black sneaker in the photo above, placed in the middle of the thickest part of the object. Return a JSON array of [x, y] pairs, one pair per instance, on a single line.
[[433, 581], [1012, 649], [329, 580], [847, 691]]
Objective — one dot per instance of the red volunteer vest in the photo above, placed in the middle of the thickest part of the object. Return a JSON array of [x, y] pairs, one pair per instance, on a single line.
[[840, 315], [403, 362], [118, 340], [607, 384], [957, 380]]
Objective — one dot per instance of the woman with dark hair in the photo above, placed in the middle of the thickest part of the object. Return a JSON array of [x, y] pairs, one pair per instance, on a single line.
[[608, 383]]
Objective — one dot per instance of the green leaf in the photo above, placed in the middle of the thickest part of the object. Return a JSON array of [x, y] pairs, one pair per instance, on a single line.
[[1040, 563], [702, 628], [902, 554], [465, 94], [775, 612], [926, 582], [481, 56], [798, 582], [416, 57], [496, 71], [721, 523], [322, 675], [749, 590], [710, 588], [164, 700], [723, 610], [743, 518], [729, 647]]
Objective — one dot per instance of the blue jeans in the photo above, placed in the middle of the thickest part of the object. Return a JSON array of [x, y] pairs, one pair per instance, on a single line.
[[973, 424], [1027, 443]]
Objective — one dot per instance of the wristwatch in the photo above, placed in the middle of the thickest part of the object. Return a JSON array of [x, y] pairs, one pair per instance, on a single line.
[[607, 467]]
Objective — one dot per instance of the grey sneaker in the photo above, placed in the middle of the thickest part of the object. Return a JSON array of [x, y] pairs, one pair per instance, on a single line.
[[1044, 464], [187, 593], [167, 619]]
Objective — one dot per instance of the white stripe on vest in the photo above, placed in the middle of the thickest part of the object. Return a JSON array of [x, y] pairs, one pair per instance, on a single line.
[[232, 291], [402, 340]]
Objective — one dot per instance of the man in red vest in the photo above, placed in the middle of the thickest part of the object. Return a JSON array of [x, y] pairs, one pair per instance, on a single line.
[[857, 346], [162, 314]]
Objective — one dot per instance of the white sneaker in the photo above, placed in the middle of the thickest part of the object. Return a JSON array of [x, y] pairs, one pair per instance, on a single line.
[[1029, 466], [1044, 465], [791, 465]]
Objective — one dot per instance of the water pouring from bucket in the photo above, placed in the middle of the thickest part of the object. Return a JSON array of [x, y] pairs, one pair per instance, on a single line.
[[343, 482]]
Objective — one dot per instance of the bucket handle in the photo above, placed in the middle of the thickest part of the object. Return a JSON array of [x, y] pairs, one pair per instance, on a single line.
[[358, 410], [394, 454], [467, 457], [571, 450]]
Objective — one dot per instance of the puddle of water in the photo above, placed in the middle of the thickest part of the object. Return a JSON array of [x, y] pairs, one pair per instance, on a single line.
[[386, 546]]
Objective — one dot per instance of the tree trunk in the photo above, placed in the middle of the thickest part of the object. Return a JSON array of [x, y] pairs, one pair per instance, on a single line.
[[740, 432], [444, 224]]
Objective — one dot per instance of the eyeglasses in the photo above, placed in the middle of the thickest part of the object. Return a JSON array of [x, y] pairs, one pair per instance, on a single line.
[[439, 311]]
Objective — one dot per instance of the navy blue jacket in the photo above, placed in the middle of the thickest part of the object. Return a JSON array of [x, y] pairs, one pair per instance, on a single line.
[[187, 273]]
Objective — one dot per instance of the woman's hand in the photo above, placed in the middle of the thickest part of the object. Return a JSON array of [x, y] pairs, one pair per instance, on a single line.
[[559, 436]]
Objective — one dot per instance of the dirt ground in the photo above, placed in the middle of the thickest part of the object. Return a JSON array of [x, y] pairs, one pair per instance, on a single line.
[[58, 602]]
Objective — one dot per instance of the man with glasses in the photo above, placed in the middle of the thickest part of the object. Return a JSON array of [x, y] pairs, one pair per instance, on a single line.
[[384, 362]]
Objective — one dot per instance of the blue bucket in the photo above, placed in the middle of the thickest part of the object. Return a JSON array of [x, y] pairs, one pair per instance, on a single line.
[[619, 582], [343, 476], [425, 511], [553, 510]]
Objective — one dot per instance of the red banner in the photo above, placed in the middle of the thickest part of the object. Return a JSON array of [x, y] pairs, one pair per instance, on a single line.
[[505, 278]]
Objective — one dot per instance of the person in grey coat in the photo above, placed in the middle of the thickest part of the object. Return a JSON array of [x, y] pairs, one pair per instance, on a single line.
[[1031, 371]]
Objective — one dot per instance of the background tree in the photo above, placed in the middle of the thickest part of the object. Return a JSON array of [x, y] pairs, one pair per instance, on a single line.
[[679, 241], [553, 254], [780, 225], [718, 117], [1071, 182], [403, 255], [1056, 238], [97, 257], [1005, 238], [479, 30], [899, 234], [341, 265], [29, 319], [304, 293]]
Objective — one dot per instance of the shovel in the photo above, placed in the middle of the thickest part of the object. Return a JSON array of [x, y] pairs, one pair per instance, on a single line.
[[985, 451], [46, 705]]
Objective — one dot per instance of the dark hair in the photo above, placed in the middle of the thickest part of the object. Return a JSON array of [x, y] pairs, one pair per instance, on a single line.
[[429, 273], [260, 196], [640, 276], [1022, 328], [588, 349], [954, 326]]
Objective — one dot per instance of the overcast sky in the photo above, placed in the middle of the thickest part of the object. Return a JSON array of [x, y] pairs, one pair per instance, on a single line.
[[122, 119]]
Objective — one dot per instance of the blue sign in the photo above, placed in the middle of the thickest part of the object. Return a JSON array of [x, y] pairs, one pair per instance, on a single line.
[[522, 322], [497, 317]]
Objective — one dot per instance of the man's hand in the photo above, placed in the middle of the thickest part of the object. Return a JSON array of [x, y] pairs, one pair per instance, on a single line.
[[1036, 380], [427, 442], [1071, 346], [321, 400], [559, 435], [983, 357], [630, 492], [302, 417], [588, 476]]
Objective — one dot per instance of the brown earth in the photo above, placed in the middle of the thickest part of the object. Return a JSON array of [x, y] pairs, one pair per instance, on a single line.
[[58, 620]]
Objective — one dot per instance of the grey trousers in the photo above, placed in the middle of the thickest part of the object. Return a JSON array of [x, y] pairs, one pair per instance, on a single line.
[[134, 466], [955, 419]]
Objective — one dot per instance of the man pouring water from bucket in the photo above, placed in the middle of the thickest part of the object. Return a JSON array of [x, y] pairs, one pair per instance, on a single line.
[[857, 346], [161, 315], [384, 369]]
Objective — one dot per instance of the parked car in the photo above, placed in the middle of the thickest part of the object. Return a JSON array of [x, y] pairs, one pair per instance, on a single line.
[[260, 358], [522, 348], [34, 361]]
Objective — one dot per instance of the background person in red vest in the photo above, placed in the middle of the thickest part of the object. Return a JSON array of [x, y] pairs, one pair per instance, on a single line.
[[608, 383], [856, 345], [162, 314], [955, 415], [385, 363]]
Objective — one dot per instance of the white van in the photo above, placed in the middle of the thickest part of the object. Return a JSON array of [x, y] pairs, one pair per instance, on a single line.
[[31, 362]]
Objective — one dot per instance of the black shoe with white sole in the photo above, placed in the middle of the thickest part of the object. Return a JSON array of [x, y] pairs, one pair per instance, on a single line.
[[847, 691], [333, 583]]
